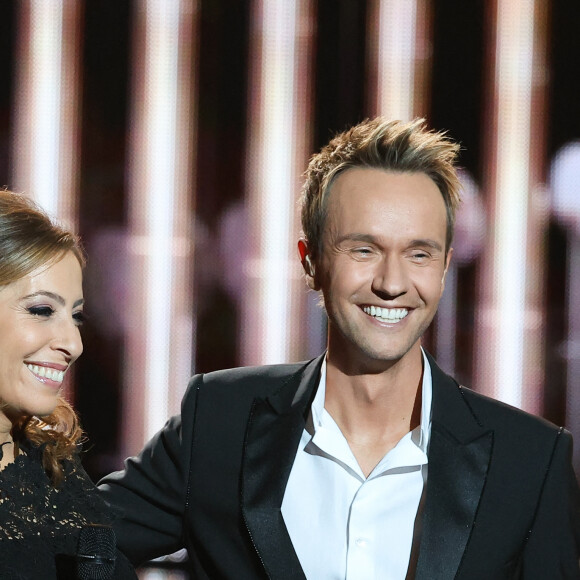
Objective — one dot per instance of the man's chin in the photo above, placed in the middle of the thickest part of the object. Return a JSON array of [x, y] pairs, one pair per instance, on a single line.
[[373, 360]]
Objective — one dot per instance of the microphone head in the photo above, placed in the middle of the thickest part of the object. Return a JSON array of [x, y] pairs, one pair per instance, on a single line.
[[96, 553]]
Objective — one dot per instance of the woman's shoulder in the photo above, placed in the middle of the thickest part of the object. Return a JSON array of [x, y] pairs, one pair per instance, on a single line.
[[50, 519], [30, 500]]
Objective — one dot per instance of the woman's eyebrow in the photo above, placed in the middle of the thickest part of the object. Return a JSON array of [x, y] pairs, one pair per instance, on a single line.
[[56, 297]]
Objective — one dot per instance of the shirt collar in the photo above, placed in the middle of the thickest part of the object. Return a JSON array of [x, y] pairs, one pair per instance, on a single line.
[[420, 435]]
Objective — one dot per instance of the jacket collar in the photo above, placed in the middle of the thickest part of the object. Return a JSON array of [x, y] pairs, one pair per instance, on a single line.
[[459, 454], [274, 430]]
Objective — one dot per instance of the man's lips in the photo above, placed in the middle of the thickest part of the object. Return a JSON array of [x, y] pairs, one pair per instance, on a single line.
[[390, 315]]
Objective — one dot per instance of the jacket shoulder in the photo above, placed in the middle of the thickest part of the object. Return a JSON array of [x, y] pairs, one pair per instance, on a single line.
[[247, 383], [453, 402], [241, 375], [501, 416]]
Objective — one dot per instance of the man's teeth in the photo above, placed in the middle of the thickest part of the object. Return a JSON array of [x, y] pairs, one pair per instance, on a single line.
[[47, 373], [386, 314]]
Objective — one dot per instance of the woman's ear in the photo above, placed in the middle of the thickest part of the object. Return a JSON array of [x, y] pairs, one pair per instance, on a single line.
[[307, 264]]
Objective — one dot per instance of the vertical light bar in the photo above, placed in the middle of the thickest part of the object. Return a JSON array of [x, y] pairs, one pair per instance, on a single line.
[[573, 343], [565, 189], [397, 35], [45, 149], [279, 141], [159, 340], [509, 353], [470, 233]]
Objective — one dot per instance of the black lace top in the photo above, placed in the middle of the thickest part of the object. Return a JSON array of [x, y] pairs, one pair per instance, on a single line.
[[40, 524]]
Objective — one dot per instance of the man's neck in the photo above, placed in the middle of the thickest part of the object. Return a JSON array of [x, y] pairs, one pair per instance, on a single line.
[[374, 411]]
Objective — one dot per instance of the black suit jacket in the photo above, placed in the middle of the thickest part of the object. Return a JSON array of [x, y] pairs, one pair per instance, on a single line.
[[501, 497]]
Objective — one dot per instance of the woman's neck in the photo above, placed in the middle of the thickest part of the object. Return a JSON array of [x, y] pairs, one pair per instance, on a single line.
[[6, 453]]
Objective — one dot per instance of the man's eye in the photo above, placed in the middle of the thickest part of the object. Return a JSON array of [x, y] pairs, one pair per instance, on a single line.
[[44, 311], [420, 255]]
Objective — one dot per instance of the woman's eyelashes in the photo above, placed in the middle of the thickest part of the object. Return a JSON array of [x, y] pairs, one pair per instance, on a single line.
[[43, 311], [79, 317]]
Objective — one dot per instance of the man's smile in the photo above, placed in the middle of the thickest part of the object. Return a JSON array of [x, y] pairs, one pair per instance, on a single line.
[[391, 315]]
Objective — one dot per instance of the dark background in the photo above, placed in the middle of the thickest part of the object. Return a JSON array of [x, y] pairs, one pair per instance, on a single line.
[[456, 103]]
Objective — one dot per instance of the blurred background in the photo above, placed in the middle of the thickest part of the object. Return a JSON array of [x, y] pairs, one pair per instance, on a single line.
[[172, 136]]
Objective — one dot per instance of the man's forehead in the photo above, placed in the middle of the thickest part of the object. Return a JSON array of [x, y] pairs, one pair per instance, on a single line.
[[351, 181], [370, 202], [358, 187]]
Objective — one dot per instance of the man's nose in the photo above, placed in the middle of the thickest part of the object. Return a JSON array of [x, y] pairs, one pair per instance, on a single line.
[[390, 279]]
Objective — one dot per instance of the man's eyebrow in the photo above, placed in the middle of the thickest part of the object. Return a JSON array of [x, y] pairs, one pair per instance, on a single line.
[[56, 297], [426, 243], [355, 237], [370, 239]]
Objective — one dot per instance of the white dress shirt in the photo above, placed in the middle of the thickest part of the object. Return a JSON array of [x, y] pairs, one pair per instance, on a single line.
[[346, 526]]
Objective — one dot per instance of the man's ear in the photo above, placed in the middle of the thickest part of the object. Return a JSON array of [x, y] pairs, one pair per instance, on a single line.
[[307, 264], [447, 262]]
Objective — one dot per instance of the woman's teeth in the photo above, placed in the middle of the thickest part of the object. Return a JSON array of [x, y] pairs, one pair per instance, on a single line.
[[46, 373]]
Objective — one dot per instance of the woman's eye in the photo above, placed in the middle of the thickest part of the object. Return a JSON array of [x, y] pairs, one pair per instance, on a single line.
[[44, 311], [79, 318]]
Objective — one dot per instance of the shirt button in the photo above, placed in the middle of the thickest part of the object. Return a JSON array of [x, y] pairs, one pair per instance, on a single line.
[[361, 542]]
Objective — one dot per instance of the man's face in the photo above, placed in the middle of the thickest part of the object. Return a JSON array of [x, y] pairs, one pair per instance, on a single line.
[[382, 265]]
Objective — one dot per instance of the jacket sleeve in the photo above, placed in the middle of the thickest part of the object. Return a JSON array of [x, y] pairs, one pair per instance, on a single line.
[[150, 494], [553, 546]]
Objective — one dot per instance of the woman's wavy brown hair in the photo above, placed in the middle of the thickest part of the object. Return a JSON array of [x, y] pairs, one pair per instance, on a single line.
[[29, 239]]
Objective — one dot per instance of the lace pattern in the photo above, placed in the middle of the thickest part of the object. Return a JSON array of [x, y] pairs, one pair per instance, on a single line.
[[30, 506], [40, 523]]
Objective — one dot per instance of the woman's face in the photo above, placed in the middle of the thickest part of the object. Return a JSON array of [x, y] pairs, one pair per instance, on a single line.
[[40, 315]]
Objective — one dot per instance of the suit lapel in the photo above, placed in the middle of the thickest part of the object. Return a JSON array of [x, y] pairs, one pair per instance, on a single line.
[[274, 430], [459, 455]]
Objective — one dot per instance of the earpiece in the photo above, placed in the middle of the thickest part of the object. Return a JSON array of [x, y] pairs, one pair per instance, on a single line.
[[309, 264]]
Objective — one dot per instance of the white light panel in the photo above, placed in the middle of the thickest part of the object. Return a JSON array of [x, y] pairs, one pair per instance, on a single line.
[[159, 352], [278, 141], [46, 153]]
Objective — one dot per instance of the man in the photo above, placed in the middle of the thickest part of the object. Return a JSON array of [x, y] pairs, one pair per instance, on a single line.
[[368, 462]]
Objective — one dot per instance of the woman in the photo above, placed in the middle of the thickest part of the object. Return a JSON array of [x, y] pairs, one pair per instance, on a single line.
[[50, 513]]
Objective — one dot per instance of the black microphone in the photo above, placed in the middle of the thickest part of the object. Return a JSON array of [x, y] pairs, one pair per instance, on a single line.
[[96, 553]]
